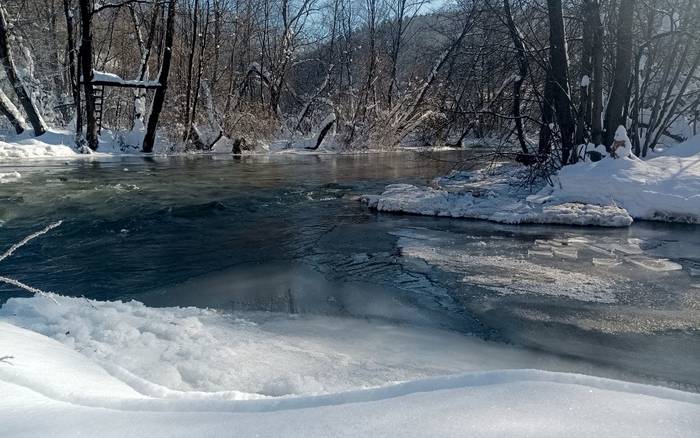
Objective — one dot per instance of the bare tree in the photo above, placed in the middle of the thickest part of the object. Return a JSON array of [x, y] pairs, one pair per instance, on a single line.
[[159, 98], [23, 95]]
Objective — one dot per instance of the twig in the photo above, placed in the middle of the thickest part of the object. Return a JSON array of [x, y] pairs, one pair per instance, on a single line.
[[28, 288], [27, 239], [15, 247]]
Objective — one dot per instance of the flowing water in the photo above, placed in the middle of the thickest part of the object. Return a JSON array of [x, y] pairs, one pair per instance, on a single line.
[[288, 234]]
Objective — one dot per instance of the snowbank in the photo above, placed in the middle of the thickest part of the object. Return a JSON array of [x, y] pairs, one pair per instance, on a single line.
[[50, 389], [498, 195], [168, 351], [49, 145], [610, 192], [664, 188]]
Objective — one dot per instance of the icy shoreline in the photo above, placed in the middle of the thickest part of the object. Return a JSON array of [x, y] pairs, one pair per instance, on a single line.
[[60, 144], [610, 193], [82, 384]]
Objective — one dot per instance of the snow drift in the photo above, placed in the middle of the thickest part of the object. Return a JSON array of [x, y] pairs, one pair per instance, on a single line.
[[78, 387]]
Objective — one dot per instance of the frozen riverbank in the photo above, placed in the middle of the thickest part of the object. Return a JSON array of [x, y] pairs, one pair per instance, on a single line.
[[611, 192], [89, 383]]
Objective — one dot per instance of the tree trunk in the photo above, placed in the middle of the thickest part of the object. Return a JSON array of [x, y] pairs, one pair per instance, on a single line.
[[145, 48], [523, 67], [590, 13], [559, 65], [597, 88], [187, 116], [8, 64], [159, 98], [545, 141], [86, 68], [74, 73], [9, 110], [623, 70]]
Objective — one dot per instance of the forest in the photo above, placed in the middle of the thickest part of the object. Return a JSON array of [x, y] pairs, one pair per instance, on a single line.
[[539, 81]]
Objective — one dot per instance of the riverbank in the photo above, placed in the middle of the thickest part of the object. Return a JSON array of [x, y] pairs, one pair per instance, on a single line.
[[610, 192], [91, 380]]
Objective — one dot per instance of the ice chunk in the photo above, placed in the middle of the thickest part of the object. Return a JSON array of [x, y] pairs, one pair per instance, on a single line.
[[657, 265], [539, 253], [565, 253], [606, 262]]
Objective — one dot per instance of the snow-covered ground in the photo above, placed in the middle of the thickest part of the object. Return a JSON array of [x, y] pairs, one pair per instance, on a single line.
[[611, 192], [50, 145], [60, 143], [88, 368]]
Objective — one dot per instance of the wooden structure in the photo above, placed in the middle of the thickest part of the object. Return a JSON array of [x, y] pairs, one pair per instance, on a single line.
[[101, 80]]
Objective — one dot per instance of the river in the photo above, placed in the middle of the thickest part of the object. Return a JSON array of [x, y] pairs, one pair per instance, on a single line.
[[288, 234]]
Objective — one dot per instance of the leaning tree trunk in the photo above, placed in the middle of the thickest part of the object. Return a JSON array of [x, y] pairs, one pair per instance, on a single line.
[[8, 64], [559, 65], [9, 110], [86, 67], [159, 98], [622, 73]]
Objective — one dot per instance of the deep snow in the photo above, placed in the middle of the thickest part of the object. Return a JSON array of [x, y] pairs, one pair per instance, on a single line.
[[165, 351], [65, 388]]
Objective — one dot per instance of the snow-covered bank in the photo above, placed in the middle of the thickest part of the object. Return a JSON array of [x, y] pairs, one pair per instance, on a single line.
[[53, 144], [665, 188], [50, 389], [611, 192], [168, 351], [498, 194]]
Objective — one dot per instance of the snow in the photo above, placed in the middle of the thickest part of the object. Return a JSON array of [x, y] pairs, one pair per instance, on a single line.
[[663, 188], [610, 192], [168, 352], [497, 195], [8, 177], [64, 389], [100, 76], [585, 81], [49, 145]]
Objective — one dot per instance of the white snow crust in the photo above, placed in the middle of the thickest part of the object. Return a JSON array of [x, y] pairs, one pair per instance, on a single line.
[[99, 376], [63, 389]]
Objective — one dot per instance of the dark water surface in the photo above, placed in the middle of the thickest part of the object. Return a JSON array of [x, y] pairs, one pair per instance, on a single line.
[[287, 234]]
